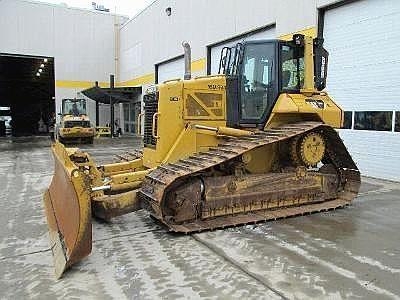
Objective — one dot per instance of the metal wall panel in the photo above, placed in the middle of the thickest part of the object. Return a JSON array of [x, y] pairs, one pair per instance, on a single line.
[[171, 70], [363, 75], [376, 153], [130, 56], [362, 39], [82, 42], [84, 45], [26, 28], [201, 23]]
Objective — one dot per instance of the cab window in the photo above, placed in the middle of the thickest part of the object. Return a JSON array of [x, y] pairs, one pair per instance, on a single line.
[[257, 80], [292, 67]]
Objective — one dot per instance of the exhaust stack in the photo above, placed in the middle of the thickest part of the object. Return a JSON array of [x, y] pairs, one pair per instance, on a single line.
[[188, 60]]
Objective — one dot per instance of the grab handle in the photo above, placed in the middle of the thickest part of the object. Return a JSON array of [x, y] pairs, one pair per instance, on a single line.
[[153, 130], [139, 124]]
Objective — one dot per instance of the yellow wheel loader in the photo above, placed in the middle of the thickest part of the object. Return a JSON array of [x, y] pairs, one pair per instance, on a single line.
[[254, 143], [75, 126]]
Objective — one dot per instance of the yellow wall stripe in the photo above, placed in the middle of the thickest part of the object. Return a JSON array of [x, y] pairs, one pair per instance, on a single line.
[[197, 66], [141, 80], [73, 84]]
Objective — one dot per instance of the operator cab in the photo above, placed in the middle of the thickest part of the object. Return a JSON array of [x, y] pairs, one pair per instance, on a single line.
[[74, 107], [259, 71]]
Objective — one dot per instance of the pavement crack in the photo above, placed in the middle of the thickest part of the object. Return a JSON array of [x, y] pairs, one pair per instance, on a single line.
[[24, 254], [94, 241], [237, 265], [374, 192], [126, 235]]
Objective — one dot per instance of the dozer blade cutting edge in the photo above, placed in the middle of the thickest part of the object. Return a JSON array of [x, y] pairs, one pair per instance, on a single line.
[[68, 212]]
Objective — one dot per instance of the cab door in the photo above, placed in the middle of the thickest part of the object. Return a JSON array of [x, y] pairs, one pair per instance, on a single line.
[[257, 87]]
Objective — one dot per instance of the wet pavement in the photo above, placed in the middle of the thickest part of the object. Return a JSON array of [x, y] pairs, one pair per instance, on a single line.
[[348, 253]]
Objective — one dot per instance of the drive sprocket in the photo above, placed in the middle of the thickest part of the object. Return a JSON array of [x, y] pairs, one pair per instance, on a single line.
[[312, 148]]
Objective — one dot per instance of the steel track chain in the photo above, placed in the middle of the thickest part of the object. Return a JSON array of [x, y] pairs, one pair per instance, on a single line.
[[167, 177]]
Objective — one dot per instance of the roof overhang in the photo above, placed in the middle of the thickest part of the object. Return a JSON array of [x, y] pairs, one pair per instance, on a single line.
[[116, 95]]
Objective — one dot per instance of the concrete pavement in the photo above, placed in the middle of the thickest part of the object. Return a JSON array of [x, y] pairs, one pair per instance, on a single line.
[[347, 253]]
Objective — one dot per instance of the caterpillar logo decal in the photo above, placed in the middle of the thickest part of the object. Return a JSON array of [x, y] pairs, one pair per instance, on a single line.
[[316, 103]]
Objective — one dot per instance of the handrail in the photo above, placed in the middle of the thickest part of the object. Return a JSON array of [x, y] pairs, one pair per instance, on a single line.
[[139, 124], [153, 129]]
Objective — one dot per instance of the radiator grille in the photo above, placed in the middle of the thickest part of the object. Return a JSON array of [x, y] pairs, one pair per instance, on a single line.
[[150, 108], [71, 124]]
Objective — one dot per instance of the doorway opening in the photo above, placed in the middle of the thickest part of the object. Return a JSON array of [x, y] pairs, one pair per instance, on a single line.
[[27, 93]]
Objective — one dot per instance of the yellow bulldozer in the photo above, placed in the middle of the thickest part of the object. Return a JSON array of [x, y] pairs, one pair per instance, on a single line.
[[254, 143], [74, 126]]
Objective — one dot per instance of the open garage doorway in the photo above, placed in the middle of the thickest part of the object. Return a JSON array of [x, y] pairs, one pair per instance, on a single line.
[[26, 94]]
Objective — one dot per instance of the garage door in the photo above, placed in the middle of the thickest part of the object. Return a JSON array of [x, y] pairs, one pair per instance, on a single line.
[[216, 50], [363, 39], [171, 70]]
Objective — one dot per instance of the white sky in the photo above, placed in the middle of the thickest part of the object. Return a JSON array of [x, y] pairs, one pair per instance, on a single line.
[[124, 7]]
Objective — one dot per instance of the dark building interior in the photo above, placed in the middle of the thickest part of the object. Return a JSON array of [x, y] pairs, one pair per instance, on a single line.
[[27, 88]]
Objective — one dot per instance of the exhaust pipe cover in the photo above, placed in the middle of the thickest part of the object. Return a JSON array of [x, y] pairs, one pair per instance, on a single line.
[[188, 60]]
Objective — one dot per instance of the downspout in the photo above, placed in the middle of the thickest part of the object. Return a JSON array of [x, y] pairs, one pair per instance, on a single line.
[[116, 47], [117, 21]]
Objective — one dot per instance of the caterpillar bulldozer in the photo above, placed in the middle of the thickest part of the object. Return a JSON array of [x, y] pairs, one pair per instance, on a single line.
[[75, 124], [254, 143]]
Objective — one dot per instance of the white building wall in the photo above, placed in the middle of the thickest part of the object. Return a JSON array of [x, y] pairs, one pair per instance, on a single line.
[[362, 38], [153, 37], [82, 42], [83, 45], [363, 72]]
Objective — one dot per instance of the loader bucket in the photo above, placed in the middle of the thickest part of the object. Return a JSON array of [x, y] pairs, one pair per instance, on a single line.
[[68, 211]]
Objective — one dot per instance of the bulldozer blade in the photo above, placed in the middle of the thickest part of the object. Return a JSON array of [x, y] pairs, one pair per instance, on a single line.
[[68, 212]]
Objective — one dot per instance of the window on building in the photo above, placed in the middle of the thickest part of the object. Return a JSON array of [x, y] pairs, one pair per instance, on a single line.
[[131, 113], [126, 111], [348, 119], [126, 117], [373, 120], [397, 122]]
